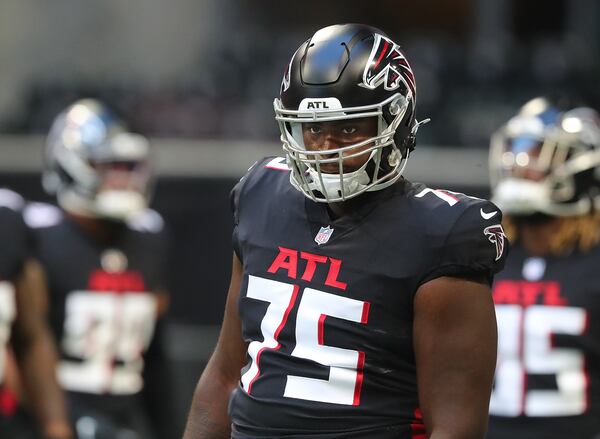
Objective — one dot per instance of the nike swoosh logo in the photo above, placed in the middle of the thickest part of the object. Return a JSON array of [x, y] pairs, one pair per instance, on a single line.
[[487, 216]]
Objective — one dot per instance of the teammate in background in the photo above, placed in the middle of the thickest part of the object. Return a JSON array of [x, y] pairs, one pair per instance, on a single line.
[[103, 253], [23, 327], [360, 303], [545, 177]]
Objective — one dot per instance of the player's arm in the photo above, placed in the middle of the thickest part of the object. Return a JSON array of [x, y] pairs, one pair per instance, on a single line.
[[157, 393], [455, 348], [208, 418], [36, 353]]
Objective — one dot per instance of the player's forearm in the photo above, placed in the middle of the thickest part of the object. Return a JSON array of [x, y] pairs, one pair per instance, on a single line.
[[208, 417], [38, 365], [450, 435], [460, 428]]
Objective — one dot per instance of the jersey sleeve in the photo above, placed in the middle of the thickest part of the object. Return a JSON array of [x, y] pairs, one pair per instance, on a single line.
[[15, 241], [475, 245], [235, 198], [167, 266]]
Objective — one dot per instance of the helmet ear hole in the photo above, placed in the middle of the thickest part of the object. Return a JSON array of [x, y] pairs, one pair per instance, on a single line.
[[63, 176], [50, 182], [395, 107], [53, 180], [394, 158]]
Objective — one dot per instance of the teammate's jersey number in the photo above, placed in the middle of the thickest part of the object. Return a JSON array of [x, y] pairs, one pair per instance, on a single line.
[[106, 335], [7, 315], [345, 365], [525, 347]]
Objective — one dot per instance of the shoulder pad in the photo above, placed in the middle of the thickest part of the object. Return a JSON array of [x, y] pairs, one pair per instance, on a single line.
[[477, 240], [470, 235], [149, 220], [443, 196], [11, 199], [277, 163], [254, 173], [40, 215]]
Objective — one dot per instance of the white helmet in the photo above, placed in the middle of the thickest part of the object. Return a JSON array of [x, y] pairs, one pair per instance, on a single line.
[[94, 166], [544, 160]]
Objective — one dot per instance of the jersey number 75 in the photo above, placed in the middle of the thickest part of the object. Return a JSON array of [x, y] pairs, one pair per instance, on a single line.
[[345, 365]]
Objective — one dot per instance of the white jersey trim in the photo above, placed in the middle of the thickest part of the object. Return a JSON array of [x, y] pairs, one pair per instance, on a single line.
[[40, 215], [148, 220], [11, 199]]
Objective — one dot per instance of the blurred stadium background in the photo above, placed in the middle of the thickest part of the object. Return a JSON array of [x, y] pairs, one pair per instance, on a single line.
[[199, 76]]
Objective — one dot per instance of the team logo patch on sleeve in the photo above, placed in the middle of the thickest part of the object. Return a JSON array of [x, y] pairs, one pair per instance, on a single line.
[[496, 236]]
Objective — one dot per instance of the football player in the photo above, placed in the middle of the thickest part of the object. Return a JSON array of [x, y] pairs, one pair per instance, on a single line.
[[23, 328], [544, 163], [103, 253], [360, 303]]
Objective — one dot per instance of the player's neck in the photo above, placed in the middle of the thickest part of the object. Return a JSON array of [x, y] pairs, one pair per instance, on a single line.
[[535, 238], [337, 210], [101, 230], [364, 201], [343, 208]]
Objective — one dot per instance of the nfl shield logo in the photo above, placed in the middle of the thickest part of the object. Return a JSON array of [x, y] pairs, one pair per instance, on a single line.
[[323, 235]]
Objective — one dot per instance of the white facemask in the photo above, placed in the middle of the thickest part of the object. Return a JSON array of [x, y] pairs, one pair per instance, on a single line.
[[119, 204]]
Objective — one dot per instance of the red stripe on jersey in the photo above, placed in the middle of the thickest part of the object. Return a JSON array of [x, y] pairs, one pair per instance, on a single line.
[[8, 402], [275, 335], [417, 427], [365, 313], [449, 194], [320, 328], [359, 378], [522, 360], [279, 164], [258, 368], [287, 312]]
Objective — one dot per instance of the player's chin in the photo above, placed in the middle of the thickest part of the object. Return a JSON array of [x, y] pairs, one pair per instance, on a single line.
[[335, 169], [330, 169]]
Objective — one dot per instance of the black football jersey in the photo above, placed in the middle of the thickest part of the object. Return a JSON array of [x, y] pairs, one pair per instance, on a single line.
[[547, 382], [103, 309], [15, 247], [327, 305]]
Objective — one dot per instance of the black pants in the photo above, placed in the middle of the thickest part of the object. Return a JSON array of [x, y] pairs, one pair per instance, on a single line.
[[109, 417], [19, 425]]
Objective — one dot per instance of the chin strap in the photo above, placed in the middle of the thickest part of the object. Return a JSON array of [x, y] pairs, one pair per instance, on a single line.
[[418, 125], [411, 140]]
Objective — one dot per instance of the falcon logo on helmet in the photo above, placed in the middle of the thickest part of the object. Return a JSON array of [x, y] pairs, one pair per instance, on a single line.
[[388, 66], [285, 82]]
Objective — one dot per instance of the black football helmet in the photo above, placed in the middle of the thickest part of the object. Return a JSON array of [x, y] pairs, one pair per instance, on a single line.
[[94, 166], [546, 160], [347, 71]]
